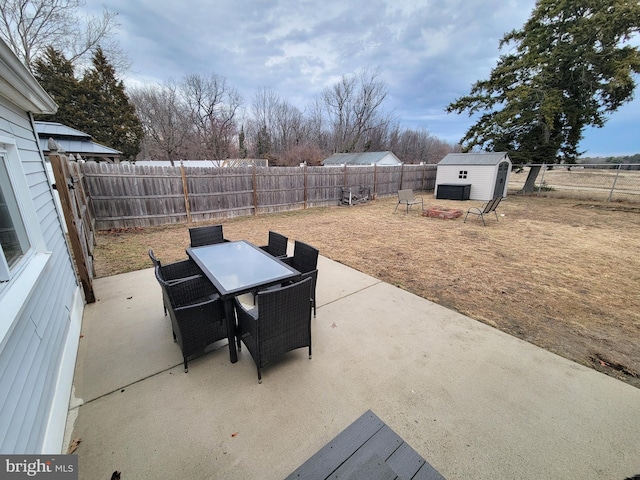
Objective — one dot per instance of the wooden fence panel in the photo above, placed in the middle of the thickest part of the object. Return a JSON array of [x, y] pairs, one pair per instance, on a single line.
[[324, 185], [216, 193], [79, 232], [387, 180], [280, 189], [123, 195]]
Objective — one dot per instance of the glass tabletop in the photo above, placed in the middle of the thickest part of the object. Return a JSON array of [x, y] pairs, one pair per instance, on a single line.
[[237, 267]]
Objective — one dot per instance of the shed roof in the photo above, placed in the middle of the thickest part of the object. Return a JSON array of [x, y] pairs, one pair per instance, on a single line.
[[72, 140], [482, 158], [361, 158]]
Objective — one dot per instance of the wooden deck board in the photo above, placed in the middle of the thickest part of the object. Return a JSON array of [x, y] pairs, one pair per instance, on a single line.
[[366, 449]]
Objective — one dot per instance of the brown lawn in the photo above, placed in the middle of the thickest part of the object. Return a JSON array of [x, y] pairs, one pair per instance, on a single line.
[[563, 274]]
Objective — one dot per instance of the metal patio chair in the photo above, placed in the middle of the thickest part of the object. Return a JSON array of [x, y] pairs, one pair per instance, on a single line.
[[487, 208], [406, 197]]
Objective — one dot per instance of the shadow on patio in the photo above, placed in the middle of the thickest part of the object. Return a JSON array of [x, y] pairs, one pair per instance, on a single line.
[[471, 400]]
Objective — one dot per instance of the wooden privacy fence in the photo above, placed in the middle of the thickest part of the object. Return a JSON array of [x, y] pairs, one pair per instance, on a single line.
[[126, 196], [74, 203]]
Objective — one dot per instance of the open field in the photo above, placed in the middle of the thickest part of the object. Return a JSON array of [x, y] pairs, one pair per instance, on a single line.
[[586, 183], [560, 273]]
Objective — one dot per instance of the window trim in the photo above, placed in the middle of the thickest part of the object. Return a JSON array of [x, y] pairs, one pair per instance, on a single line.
[[24, 276], [18, 180]]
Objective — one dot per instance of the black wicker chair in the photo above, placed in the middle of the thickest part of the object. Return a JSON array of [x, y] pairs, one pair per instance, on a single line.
[[305, 260], [277, 246], [280, 322], [197, 314], [174, 272], [206, 235]]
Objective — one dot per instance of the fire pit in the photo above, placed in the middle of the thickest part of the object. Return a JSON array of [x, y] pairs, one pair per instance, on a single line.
[[442, 212]]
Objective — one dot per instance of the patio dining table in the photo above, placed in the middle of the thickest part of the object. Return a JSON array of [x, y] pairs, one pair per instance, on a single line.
[[236, 268]]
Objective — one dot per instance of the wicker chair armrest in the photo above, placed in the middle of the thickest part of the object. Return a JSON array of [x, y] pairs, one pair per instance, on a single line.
[[181, 269], [185, 279], [196, 305], [191, 291], [209, 310]]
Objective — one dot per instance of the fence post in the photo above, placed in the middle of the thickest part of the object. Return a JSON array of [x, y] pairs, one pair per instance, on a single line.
[[185, 190], [255, 191], [401, 175], [613, 187], [305, 185], [544, 169], [375, 181]]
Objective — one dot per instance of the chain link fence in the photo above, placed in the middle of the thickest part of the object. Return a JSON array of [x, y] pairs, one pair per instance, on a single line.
[[599, 182]]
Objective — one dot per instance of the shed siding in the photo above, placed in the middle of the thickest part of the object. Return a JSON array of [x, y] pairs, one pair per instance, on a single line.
[[481, 178], [31, 354]]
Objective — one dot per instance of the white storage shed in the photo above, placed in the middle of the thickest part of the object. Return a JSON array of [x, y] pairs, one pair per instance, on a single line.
[[473, 176]]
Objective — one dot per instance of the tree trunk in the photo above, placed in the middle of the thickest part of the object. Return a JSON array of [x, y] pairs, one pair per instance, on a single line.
[[530, 183]]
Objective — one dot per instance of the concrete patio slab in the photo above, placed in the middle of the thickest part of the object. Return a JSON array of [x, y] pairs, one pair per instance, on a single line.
[[473, 401]]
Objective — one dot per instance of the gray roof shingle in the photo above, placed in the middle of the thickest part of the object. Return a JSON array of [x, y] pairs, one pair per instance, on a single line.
[[483, 158]]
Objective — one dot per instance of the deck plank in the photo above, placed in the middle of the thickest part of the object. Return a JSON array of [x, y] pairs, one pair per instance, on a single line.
[[405, 461], [366, 449], [337, 451], [382, 444]]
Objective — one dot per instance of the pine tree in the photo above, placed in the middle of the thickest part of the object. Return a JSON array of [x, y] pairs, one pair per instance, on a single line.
[[112, 118], [242, 149], [572, 64], [56, 75]]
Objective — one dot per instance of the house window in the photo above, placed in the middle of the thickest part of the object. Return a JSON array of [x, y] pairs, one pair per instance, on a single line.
[[13, 235], [462, 174], [20, 233]]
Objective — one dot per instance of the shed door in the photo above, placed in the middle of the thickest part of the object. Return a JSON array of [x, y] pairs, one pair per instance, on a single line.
[[503, 170]]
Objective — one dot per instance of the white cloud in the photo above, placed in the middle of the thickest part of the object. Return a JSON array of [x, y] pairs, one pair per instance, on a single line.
[[429, 51]]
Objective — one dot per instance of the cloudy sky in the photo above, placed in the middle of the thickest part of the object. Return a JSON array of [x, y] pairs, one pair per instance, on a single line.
[[429, 52]]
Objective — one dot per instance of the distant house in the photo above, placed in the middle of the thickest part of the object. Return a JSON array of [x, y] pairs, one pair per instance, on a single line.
[[74, 142], [485, 174], [41, 302], [363, 159]]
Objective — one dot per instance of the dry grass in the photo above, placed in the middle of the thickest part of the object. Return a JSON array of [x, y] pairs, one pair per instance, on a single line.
[[560, 273]]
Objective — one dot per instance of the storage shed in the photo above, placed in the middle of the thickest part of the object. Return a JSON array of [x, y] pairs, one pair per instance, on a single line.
[[473, 176]]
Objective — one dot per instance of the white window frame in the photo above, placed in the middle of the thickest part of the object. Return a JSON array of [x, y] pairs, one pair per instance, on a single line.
[[23, 276]]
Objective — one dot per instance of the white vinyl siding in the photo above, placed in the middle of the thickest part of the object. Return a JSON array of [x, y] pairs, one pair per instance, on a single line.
[[42, 298], [481, 178]]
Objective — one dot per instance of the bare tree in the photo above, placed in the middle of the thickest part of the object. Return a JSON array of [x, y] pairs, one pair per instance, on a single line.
[[213, 105], [353, 106], [416, 146], [166, 121], [30, 26], [316, 124]]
